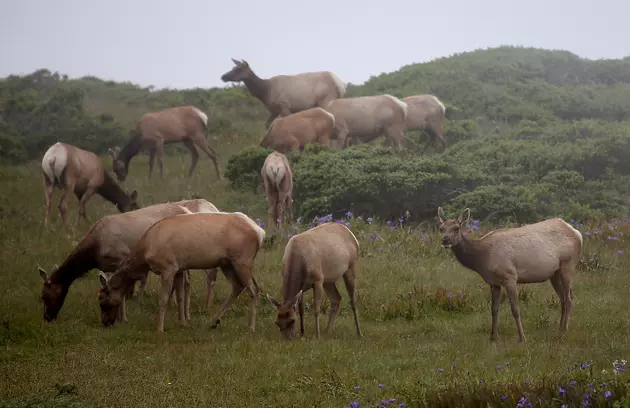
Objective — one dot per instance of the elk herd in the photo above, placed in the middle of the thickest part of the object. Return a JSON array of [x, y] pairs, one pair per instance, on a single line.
[[170, 239]]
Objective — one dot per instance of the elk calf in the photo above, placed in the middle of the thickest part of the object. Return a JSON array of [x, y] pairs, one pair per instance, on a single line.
[[190, 241], [547, 250], [78, 171], [278, 181], [295, 131], [317, 259]]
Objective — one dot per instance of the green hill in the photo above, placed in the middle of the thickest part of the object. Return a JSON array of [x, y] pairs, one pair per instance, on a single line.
[[531, 132]]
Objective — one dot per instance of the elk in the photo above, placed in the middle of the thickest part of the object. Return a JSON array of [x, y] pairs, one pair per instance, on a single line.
[[316, 259], [367, 117], [106, 245], [188, 241], [278, 181], [426, 112], [74, 170], [547, 250], [295, 131], [185, 124], [286, 94]]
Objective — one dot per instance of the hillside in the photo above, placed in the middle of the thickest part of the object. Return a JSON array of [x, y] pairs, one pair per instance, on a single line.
[[531, 132]]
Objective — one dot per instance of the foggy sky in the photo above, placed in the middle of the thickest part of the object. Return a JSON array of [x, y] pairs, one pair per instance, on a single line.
[[184, 44]]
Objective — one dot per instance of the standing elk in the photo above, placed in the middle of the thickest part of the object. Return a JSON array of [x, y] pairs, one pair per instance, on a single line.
[[78, 171], [426, 112], [107, 244], [547, 250], [295, 131], [367, 117], [278, 181], [185, 124], [286, 94], [316, 259], [189, 241]]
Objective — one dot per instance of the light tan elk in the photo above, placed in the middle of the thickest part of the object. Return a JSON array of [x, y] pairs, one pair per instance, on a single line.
[[295, 131], [78, 171], [108, 242], [191, 241], [286, 94], [547, 250], [185, 124], [426, 112], [316, 259], [365, 118], [278, 181]]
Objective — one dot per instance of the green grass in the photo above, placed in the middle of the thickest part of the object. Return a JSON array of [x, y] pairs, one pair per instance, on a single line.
[[407, 337]]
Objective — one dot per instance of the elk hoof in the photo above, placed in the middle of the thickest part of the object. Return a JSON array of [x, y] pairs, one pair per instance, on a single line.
[[214, 326]]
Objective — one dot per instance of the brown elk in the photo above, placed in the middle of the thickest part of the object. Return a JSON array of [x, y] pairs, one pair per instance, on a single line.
[[295, 131], [190, 241], [316, 259], [545, 251], [367, 117], [185, 124], [107, 244], [278, 181], [286, 94], [426, 112], [74, 170]]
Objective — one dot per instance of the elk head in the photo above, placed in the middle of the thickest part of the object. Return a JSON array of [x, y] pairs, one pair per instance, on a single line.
[[109, 300], [130, 204], [53, 295], [118, 165], [286, 315], [451, 229], [240, 72]]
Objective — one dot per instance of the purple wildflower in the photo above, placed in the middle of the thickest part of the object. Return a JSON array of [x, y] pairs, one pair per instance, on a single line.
[[380, 386], [392, 400], [562, 390], [500, 367], [608, 394], [503, 397], [369, 220], [440, 370], [409, 293], [402, 404], [354, 404], [349, 214], [356, 388], [620, 251]]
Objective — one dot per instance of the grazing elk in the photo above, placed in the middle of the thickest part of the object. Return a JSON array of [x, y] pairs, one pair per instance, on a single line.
[[547, 250], [78, 171], [295, 131], [185, 124], [286, 94], [316, 259], [426, 112], [190, 241], [278, 181], [107, 244], [367, 117]]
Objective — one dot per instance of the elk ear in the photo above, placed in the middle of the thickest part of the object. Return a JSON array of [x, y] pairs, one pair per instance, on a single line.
[[43, 275], [103, 278], [236, 62], [273, 301], [461, 218], [296, 299], [441, 214], [112, 153], [134, 195]]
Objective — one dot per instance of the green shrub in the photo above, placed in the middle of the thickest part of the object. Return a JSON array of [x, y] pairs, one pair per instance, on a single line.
[[243, 169]]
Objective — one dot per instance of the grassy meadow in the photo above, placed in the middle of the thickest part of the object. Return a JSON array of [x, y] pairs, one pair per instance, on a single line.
[[425, 319]]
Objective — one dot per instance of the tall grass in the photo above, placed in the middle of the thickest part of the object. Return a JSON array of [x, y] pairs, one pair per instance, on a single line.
[[425, 319]]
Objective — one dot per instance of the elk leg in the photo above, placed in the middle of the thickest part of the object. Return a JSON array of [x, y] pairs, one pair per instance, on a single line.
[[203, 145], [512, 292], [193, 154], [179, 283], [237, 288], [342, 138], [397, 134], [83, 202], [348, 279], [301, 312], [187, 295], [335, 301], [566, 275], [48, 192], [272, 201], [63, 203], [318, 294], [151, 161], [556, 282], [495, 292], [211, 279], [159, 151], [270, 119], [166, 286]]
